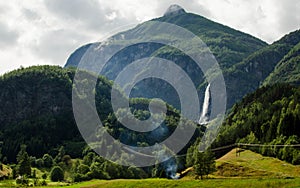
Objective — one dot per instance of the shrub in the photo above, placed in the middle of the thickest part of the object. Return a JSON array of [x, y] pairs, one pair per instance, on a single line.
[[48, 161], [83, 169], [44, 183], [44, 176], [57, 174], [22, 180]]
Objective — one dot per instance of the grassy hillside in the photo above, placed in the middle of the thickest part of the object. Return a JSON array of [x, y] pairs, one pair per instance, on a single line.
[[250, 164]]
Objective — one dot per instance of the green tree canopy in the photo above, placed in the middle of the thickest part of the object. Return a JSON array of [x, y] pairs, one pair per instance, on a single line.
[[24, 167], [57, 174]]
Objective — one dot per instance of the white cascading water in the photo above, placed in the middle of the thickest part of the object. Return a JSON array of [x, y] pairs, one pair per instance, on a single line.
[[203, 118]]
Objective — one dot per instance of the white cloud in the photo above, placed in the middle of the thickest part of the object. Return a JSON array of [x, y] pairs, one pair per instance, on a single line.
[[47, 31], [8, 37]]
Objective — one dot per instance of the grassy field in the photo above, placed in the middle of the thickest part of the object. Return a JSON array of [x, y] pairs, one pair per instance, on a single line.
[[247, 170], [157, 183]]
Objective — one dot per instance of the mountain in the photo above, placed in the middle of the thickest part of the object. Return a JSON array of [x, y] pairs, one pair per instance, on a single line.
[[228, 45], [269, 116], [246, 76], [287, 70], [36, 110]]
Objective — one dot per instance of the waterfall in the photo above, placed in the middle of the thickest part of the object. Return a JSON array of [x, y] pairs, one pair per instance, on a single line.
[[204, 115]]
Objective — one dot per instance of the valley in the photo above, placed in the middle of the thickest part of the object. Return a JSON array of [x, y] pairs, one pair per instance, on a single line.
[[256, 144]]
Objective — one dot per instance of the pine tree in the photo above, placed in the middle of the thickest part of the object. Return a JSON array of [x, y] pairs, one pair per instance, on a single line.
[[57, 174], [23, 167], [204, 163]]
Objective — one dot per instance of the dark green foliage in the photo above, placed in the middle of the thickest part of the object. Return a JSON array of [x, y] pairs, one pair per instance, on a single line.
[[37, 110], [88, 159], [14, 171], [60, 154], [39, 163], [67, 161], [32, 161], [246, 76], [44, 176], [271, 115], [57, 174], [24, 167], [22, 180], [98, 172], [35, 103], [47, 161], [288, 69], [44, 183], [137, 173], [34, 174], [204, 163], [38, 125], [83, 169]]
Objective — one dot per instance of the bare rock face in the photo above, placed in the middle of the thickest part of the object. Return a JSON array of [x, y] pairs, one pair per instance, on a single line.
[[174, 9]]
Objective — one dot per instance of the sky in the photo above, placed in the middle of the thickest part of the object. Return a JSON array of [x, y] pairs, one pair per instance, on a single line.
[[38, 32]]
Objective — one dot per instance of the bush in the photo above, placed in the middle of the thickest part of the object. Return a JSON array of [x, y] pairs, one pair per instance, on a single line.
[[44, 183], [48, 161], [39, 163], [81, 177], [23, 180], [57, 174], [44, 176], [83, 169]]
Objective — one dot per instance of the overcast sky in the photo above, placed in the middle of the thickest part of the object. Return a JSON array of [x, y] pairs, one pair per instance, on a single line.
[[36, 32]]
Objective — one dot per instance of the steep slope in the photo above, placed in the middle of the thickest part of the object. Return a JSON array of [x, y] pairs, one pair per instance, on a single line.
[[229, 46], [246, 76], [287, 70], [36, 110], [269, 116]]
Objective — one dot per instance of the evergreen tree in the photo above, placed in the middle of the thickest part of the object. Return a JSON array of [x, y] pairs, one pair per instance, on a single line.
[[204, 163], [48, 161], [24, 167], [59, 156], [57, 174]]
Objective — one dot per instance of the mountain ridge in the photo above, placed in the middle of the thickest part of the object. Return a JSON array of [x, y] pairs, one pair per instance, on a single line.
[[228, 45]]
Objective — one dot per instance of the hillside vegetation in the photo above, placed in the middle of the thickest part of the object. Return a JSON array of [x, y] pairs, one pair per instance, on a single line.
[[270, 115], [287, 70], [248, 75], [37, 111]]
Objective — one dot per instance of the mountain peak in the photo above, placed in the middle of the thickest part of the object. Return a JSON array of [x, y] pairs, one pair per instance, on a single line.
[[174, 9]]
